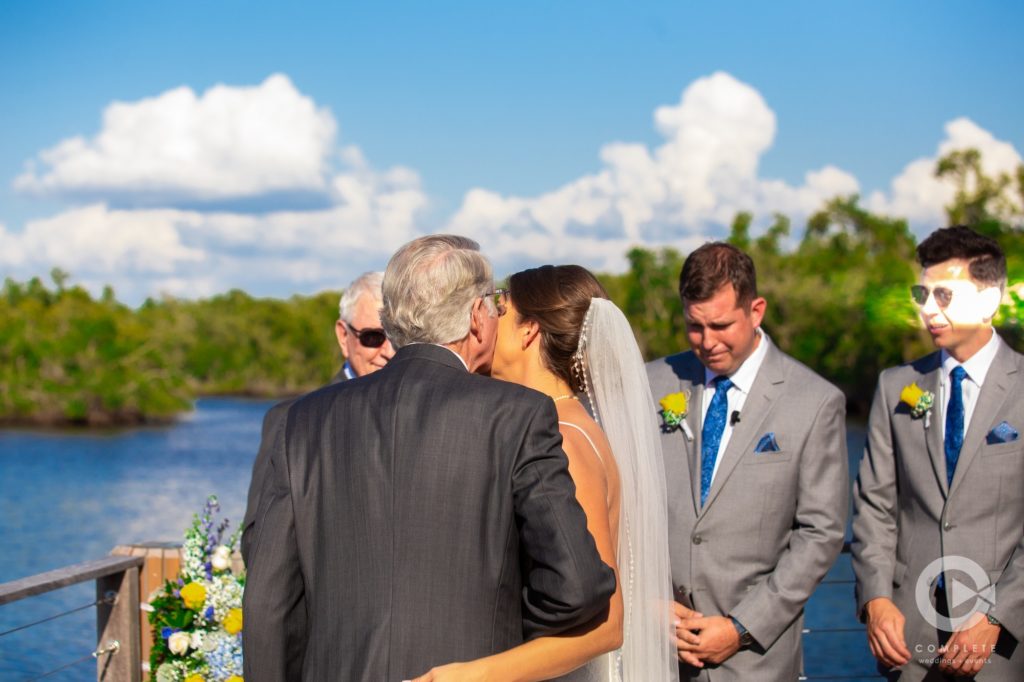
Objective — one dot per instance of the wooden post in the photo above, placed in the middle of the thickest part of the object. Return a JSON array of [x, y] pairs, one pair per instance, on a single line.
[[118, 642], [162, 563]]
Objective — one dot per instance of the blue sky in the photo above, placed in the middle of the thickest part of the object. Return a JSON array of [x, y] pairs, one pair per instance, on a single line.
[[530, 126]]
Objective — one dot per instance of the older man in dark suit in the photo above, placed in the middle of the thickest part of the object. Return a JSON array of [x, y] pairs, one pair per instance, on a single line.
[[422, 514]]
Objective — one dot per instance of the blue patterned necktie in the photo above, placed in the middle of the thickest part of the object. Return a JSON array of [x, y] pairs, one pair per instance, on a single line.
[[711, 434], [954, 421]]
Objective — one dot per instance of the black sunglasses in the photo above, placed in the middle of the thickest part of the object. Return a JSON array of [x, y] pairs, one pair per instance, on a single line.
[[370, 338], [920, 293]]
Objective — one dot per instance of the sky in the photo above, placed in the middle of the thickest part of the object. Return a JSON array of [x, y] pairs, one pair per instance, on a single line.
[[189, 148]]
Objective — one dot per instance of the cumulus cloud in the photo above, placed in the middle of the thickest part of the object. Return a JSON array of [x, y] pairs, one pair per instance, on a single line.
[[197, 253], [227, 143], [682, 192], [917, 195]]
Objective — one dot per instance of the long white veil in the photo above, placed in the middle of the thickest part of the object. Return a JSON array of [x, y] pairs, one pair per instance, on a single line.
[[620, 396]]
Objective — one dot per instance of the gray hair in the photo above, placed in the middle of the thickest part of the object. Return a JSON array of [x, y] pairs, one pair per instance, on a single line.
[[429, 288], [366, 284]]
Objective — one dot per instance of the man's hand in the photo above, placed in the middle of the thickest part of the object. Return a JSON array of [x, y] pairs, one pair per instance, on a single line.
[[717, 638], [686, 641], [970, 647], [885, 632]]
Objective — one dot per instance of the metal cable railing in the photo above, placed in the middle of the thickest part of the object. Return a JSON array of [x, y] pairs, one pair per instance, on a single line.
[[117, 604]]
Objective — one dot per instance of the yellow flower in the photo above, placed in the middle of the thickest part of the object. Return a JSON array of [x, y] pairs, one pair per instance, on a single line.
[[233, 621], [235, 678], [917, 399], [194, 596], [674, 402], [195, 677], [911, 393]]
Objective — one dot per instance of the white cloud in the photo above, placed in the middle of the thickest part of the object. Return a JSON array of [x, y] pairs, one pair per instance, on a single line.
[[917, 195], [228, 143], [680, 193]]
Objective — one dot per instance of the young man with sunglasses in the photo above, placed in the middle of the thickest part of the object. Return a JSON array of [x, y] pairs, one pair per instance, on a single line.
[[362, 340], [938, 523]]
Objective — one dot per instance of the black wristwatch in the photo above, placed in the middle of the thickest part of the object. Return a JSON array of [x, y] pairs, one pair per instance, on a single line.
[[746, 639]]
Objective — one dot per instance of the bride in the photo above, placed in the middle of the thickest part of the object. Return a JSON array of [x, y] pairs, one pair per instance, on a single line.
[[562, 336]]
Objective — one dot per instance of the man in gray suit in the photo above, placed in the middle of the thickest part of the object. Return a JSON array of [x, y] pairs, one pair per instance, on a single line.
[[422, 514], [939, 502], [757, 478]]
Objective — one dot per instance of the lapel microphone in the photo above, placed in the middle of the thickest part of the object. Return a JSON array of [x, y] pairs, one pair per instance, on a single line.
[[735, 418]]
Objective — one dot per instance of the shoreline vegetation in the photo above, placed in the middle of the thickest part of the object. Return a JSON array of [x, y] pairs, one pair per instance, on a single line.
[[837, 301]]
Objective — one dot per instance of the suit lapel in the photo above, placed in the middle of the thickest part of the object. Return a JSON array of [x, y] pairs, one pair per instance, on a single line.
[[1000, 377], [693, 420], [933, 432], [765, 391]]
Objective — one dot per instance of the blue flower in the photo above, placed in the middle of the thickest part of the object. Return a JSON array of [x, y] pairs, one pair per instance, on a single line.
[[166, 632], [209, 613]]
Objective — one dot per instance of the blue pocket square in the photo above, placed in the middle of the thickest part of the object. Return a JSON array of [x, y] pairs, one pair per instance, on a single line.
[[767, 443], [1004, 433]]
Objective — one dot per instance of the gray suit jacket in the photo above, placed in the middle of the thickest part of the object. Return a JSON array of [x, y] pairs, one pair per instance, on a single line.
[[906, 516], [773, 523], [417, 516]]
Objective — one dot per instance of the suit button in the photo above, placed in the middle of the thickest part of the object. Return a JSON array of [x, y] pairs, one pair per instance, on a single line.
[[697, 539], [947, 526]]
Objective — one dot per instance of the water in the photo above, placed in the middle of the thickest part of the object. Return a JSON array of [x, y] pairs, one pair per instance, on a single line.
[[67, 497]]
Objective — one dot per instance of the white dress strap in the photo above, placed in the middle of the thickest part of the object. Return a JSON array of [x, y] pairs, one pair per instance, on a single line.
[[580, 429]]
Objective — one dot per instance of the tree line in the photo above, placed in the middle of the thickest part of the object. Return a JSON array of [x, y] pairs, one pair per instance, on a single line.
[[838, 301]]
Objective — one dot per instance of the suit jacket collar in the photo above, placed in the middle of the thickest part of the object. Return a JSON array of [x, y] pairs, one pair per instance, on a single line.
[[1001, 377], [930, 370], [431, 352], [763, 396]]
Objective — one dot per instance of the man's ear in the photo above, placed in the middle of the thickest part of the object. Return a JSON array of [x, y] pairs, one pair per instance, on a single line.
[[757, 309], [341, 332], [989, 300], [476, 315], [530, 333]]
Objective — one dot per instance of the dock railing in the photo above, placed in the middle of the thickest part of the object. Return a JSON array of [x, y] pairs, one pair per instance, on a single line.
[[118, 641]]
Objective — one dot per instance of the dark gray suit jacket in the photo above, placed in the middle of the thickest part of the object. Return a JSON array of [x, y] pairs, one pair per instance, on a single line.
[[417, 516]]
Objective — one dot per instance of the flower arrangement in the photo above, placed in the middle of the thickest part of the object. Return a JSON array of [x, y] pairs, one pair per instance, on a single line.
[[919, 400], [673, 410], [197, 619]]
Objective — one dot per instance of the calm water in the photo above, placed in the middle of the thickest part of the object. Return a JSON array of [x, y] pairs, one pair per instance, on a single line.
[[70, 497]]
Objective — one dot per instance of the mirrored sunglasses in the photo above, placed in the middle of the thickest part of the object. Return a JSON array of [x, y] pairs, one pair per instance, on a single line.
[[920, 294]]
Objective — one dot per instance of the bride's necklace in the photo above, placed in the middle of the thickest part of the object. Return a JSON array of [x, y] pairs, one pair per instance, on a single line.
[[567, 396]]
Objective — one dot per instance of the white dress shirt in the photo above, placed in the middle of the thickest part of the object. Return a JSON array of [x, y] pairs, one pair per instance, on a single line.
[[742, 381], [977, 367]]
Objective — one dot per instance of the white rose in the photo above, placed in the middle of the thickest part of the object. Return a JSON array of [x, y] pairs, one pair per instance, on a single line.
[[221, 560], [178, 643]]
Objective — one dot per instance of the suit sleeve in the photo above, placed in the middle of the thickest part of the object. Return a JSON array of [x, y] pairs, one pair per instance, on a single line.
[[874, 508], [565, 583], [274, 636], [273, 420], [822, 508]]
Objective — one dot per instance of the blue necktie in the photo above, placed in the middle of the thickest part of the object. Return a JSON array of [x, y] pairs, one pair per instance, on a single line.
[[711, 434], [954, 422]]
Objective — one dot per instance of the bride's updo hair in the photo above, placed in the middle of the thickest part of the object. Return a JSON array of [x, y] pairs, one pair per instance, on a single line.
[[557, 298]]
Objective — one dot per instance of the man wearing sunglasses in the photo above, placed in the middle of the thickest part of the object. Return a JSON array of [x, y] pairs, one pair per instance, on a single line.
[[938, 523], [362, 340]]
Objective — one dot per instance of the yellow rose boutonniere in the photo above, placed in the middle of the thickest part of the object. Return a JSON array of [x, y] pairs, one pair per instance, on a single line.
[[673, 410], [917, 399]]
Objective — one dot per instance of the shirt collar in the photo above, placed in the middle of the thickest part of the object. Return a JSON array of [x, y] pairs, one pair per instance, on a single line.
[[977, 365], [347, 369], [743, 378]]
